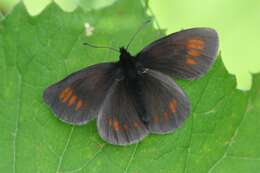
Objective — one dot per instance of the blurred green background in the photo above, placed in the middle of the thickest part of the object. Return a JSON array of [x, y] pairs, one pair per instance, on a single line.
[[237, 21]]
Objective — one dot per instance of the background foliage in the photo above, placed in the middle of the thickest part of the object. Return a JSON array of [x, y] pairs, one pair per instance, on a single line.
[[221, 134]]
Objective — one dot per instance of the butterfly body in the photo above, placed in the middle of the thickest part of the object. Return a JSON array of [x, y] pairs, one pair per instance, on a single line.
[[136, 95], [129, 66], [130, 75]]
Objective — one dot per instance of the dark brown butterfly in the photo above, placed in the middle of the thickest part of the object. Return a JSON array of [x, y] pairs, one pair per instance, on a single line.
[[135, 96]]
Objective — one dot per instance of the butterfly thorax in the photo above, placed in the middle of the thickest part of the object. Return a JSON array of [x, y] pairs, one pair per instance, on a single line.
[[127, 64]]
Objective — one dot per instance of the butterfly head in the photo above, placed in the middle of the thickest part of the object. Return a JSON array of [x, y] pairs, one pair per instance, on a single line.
[[124, 52], [127, 64], [124, 55]]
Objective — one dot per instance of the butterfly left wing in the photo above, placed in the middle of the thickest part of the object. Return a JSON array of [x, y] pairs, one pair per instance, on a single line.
[[119, 120], [166, 105], [77, 98], [187, 54]]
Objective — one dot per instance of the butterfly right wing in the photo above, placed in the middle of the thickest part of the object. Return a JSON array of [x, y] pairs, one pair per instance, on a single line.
[[186, 54], [77, 98], [166, 105]]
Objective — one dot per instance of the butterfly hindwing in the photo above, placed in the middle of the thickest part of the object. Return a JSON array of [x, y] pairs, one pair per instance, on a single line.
[[165, 103], [186, 54], [77, 98], [119, 121]]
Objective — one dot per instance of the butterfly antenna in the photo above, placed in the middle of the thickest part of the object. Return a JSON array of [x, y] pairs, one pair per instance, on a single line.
[[102, 47], [139, 29]]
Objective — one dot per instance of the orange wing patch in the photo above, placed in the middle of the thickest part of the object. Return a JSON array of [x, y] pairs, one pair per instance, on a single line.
[[191, 61], [195, 43], [194, 52], [79, 105], [65, 94], [173, 105], [72, 100], [116, 125], [194, 48], [167, 115]]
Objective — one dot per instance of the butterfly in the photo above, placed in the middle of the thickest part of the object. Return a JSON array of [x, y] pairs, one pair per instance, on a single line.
[[136, 95]]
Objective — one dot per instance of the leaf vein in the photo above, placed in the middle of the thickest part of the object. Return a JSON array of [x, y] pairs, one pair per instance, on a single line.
[[192, 119], [86, 164], [64, 150], [234, 135], [131, 158]]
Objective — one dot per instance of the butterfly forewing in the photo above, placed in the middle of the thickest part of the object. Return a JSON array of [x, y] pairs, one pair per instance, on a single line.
[[77, 98], [186, 54], [166, 104], [118, 121]]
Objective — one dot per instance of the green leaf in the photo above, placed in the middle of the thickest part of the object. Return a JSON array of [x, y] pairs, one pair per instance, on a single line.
[[1, 16], [95, 4], [237, 22], [7, 5], [36, 7], [219, 136]]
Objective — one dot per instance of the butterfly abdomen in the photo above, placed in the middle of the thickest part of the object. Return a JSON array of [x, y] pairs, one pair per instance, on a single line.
[[135, 89]]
